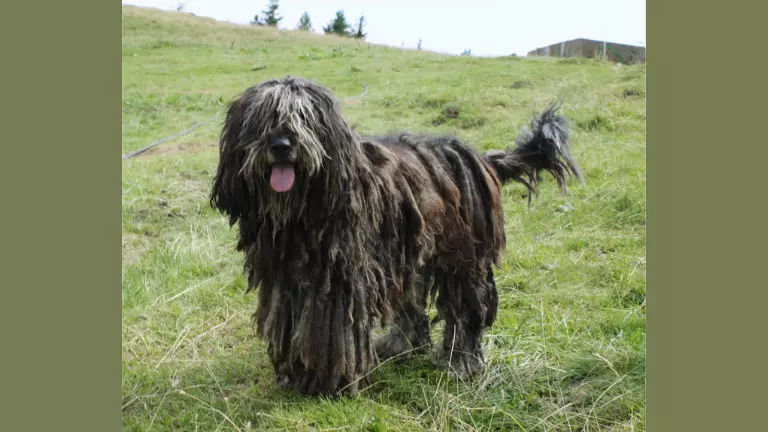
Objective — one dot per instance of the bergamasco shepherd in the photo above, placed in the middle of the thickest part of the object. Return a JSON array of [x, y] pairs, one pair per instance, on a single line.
[[342, 232]]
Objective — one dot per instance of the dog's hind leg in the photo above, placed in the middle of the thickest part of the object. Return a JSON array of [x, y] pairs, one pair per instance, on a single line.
[[409, 334], [468, 304]]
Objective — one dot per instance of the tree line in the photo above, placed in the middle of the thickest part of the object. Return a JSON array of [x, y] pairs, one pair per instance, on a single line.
[[338, 26]]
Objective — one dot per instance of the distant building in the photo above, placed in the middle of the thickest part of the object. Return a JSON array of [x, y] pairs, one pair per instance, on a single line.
[[588, 48]]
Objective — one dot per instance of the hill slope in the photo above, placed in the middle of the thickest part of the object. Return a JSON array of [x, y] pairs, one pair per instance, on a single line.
[[568, 351]]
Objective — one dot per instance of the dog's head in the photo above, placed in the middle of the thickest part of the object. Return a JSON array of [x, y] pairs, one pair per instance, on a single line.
[[277, 136]]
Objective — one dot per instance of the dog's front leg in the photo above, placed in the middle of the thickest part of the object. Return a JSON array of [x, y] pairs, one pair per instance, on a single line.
[[329, 348]]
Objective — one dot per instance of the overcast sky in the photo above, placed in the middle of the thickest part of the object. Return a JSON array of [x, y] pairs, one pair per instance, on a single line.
[[487, 27]]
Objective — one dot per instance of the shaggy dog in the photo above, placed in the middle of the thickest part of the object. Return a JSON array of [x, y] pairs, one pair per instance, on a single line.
[[340, 232]]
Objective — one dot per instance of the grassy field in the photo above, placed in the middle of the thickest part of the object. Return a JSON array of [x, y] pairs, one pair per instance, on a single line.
[[568, 350]]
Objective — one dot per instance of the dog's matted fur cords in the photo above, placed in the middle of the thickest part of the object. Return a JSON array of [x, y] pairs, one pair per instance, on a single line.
[[340, 231]]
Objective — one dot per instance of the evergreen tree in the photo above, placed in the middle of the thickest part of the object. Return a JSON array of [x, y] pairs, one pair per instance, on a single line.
[[339, 25], [305, 23], [270, 15], [359, 33]]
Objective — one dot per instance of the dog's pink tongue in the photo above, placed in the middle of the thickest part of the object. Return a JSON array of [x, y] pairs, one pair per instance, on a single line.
[[282, 178]]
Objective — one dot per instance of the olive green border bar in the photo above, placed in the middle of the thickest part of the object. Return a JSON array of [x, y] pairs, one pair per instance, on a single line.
[[706, 113], [61, 181]]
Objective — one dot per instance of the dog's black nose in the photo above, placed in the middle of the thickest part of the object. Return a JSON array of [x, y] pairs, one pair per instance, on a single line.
[[280, 146]]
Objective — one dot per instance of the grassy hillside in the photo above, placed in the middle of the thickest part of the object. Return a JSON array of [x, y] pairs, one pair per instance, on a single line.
[[568, 350]]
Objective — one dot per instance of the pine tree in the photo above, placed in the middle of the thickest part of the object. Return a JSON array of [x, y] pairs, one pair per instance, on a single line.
[[338, 26], [270, 15], [359, 33], [305, 23]]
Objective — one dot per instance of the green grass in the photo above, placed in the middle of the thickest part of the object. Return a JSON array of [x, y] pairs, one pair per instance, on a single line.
[[568, 350]]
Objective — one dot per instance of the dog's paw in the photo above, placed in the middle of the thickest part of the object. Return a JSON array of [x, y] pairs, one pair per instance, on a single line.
[[391, 345], [283, 381], [460, 363], [352, 389], [396, 344]]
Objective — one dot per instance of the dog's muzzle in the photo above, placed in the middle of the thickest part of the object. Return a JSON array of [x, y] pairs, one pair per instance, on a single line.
[[283, 173], [281, 149]]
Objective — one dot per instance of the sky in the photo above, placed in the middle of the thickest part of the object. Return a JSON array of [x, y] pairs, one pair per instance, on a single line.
[[486, 27]]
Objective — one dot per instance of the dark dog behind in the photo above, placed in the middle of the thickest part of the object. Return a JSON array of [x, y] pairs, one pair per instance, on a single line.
[[339, 231]]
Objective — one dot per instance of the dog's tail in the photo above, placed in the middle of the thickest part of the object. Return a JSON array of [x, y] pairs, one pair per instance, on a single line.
[[544, 147]]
